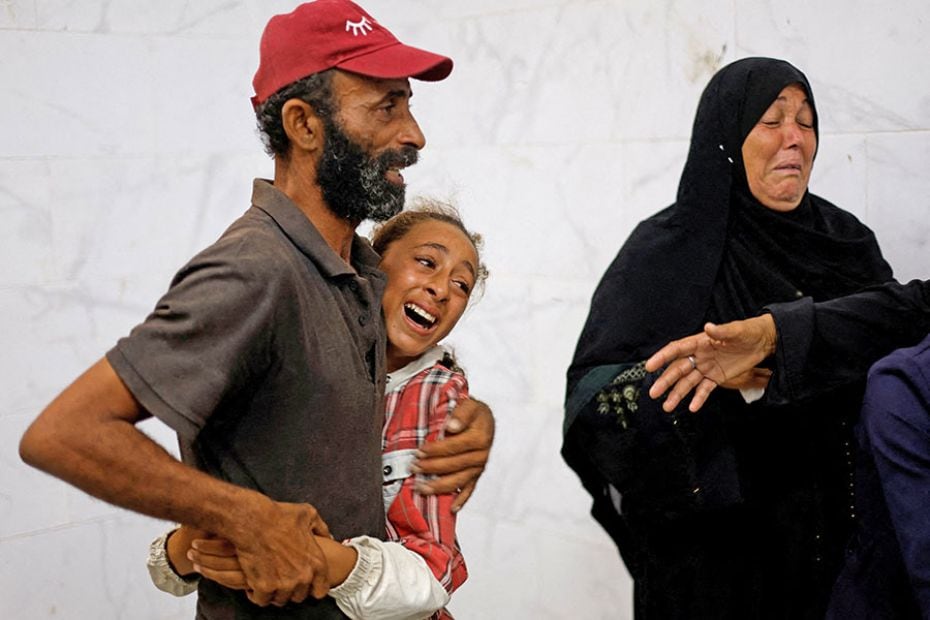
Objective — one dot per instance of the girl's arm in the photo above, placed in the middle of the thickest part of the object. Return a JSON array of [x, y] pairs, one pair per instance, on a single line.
[[187, 553]]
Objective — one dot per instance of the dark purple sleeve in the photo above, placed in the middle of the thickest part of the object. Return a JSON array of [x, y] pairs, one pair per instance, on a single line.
[[896, 425]]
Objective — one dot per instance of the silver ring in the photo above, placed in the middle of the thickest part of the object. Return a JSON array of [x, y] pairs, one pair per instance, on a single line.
[[693, 362]]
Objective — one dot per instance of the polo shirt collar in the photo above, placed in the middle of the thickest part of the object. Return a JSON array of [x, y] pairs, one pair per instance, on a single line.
[[305, 236], [402, 375]]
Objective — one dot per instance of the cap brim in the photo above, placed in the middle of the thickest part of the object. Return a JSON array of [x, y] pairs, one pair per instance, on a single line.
[[400, 61]]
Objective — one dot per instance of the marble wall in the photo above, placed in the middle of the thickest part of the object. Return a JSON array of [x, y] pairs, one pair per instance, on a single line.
[[127, 143]]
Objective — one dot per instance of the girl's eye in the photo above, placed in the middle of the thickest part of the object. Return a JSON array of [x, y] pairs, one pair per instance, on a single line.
[[426, 261], [463, 285]]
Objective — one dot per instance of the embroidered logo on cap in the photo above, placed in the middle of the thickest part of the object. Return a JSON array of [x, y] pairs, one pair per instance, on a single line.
[[361, 27]]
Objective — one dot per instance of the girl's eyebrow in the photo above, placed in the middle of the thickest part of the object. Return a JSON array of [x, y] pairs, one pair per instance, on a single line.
[[441, 248]]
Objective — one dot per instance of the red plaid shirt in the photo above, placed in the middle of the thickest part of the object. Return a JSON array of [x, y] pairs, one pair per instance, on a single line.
[[415, 412]]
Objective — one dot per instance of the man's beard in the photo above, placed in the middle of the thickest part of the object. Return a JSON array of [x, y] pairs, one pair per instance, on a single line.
[[354, 184]]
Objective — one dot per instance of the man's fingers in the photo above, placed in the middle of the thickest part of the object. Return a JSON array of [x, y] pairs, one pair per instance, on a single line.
[[300, 593], [260, 598], [318, 526], [462, 498], [464, 415], [450, 483], [443, 465], [466, 442], [234, 579], [319, 587]]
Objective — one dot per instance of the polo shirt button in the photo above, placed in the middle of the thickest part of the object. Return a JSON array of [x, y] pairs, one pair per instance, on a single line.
[[362, 319], [387, 470]]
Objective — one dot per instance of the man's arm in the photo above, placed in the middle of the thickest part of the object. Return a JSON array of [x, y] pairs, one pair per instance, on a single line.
[[460, 458], [87, 437]]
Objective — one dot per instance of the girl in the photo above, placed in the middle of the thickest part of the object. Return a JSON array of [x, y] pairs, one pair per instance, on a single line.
[[432, 264]]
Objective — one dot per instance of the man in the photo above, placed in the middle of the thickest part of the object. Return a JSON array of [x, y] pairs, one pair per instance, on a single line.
[[266, 354]]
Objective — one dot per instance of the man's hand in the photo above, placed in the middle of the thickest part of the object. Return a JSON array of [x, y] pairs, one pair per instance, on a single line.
[[725, 355], [461, 457], [279, 557]]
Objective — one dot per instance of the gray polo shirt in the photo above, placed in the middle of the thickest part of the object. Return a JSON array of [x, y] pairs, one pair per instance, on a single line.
[[266, 355]]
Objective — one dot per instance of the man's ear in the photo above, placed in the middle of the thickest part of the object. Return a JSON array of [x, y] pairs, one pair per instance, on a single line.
[[303, 127]]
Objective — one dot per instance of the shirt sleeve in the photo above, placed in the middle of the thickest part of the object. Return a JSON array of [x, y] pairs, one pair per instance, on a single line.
[[388, 582], [207, 337], [826, 345], [162, 574]]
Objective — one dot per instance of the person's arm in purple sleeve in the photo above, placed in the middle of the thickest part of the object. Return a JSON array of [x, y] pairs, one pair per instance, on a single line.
[[896, 429]]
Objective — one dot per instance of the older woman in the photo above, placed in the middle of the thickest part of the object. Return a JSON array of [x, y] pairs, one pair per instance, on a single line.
[[743, 510]]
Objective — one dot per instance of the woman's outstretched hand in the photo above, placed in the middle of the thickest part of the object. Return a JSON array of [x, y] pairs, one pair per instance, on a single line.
[[727, 355]]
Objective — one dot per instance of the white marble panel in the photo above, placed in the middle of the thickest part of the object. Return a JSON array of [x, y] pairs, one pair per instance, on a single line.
[[581, 72], [840, 172], [25, 208], [868, 62], [517, 570], [899, 200], [74, 94], [201, 89], [92, 569], [142, 218], [50, 335], [554, 212], [170, 17], [29, 499], [17, 14]]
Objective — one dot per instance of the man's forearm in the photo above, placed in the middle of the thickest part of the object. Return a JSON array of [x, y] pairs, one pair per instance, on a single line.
[[87, 437]]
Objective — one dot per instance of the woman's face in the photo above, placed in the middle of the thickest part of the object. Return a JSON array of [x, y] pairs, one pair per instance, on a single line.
[[431, 272], [779, 151]]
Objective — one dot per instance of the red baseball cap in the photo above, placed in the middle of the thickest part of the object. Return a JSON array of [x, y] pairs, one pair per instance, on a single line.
[[324, 34]]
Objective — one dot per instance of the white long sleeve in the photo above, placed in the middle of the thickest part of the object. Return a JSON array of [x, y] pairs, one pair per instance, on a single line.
[[163, 576], [388, 582]]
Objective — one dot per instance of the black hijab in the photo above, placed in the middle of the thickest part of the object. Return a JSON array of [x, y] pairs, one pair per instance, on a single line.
[[717, 253]]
